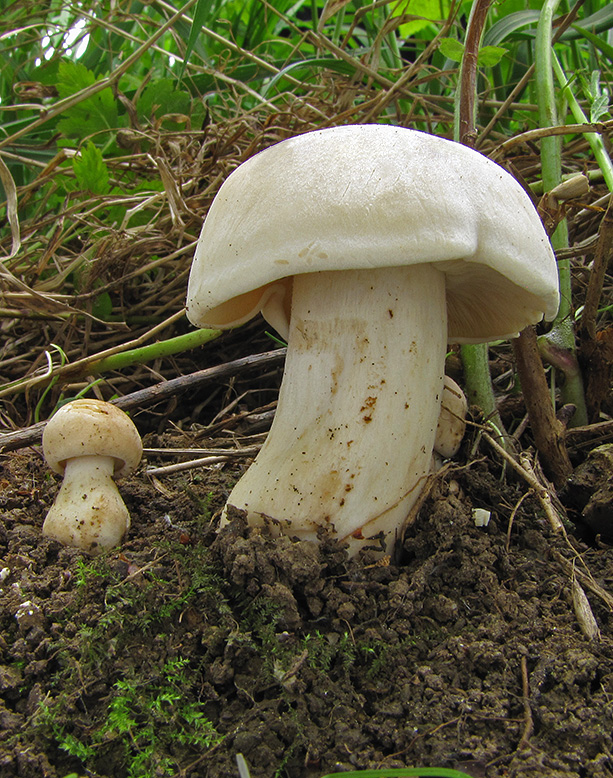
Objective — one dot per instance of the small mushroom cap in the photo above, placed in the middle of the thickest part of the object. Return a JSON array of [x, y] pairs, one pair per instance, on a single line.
[[91, 428], [369, 196]]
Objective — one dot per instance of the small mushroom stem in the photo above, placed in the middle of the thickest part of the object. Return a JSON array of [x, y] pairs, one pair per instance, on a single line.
[[352, 438], [88, 511]]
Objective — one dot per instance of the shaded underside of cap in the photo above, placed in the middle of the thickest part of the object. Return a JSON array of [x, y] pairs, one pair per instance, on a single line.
[[370, 196]]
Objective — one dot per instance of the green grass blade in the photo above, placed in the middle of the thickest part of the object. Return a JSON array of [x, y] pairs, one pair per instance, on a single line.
[[600, 21], [508, 26], [551, 166], [598, 43], [201, 12]]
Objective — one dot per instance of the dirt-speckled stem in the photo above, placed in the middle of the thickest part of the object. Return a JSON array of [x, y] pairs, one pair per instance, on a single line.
[[88, 512], [354, 430]]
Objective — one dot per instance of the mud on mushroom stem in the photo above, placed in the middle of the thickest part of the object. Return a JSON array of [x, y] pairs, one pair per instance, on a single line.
[[354, 430]]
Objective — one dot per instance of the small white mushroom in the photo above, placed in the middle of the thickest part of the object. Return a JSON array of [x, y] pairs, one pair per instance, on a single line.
[[89, 442], [451, 421], [368, 247]]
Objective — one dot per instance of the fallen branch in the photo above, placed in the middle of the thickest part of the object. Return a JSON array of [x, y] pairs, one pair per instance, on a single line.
[[30, 436]]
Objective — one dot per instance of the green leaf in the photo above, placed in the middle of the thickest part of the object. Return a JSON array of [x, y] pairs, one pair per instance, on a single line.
[[600, 107], [594, 84], [490, 55], [600, 21], [452, 49], [92, 114], [102, 307], [161, 97], [602, 46], [430, 11], [201, 12], [73, 76], [511, 26], [597, 95], [91, 171]]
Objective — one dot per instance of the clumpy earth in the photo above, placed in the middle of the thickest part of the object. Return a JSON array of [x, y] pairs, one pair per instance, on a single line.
[[187, 646]]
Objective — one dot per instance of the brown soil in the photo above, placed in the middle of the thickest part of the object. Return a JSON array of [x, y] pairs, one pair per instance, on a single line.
[[186, 646]]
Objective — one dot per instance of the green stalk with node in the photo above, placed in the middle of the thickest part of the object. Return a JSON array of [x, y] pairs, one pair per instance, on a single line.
[[117, 358], [592, 356], [562, 334], [163, 348], [547, 430], [475, 356]]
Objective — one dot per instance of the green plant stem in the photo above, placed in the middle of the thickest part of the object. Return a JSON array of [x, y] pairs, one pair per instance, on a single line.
[[163, 348], [595, 140], [551, 148], [478, 382], [551, 165]]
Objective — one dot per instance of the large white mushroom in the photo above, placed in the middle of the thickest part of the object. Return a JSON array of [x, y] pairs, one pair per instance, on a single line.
[[89, 442], [369, 248]]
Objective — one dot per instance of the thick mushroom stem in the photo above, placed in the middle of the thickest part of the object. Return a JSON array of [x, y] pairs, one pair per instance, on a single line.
[[352, 438], [88, 511]]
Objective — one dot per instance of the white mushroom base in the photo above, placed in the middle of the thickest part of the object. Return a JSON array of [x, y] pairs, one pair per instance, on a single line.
[[88, 511], [352, 439]]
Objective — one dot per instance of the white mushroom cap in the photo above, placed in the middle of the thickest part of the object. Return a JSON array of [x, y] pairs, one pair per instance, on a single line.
[[370, 196], [91, 428]]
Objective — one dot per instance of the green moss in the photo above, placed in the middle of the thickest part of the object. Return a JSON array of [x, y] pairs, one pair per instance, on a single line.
[[153, 725]]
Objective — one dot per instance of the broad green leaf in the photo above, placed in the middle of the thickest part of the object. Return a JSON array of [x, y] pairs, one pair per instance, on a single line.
[[452, 49], [490, 55], [162, 97], [92, 114], [90, 170], [73, 76], [429, 10], [102, 307]]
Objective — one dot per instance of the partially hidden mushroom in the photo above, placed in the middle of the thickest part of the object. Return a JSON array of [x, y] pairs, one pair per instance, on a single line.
[[369, 248], [89, 442], [451, 423]]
